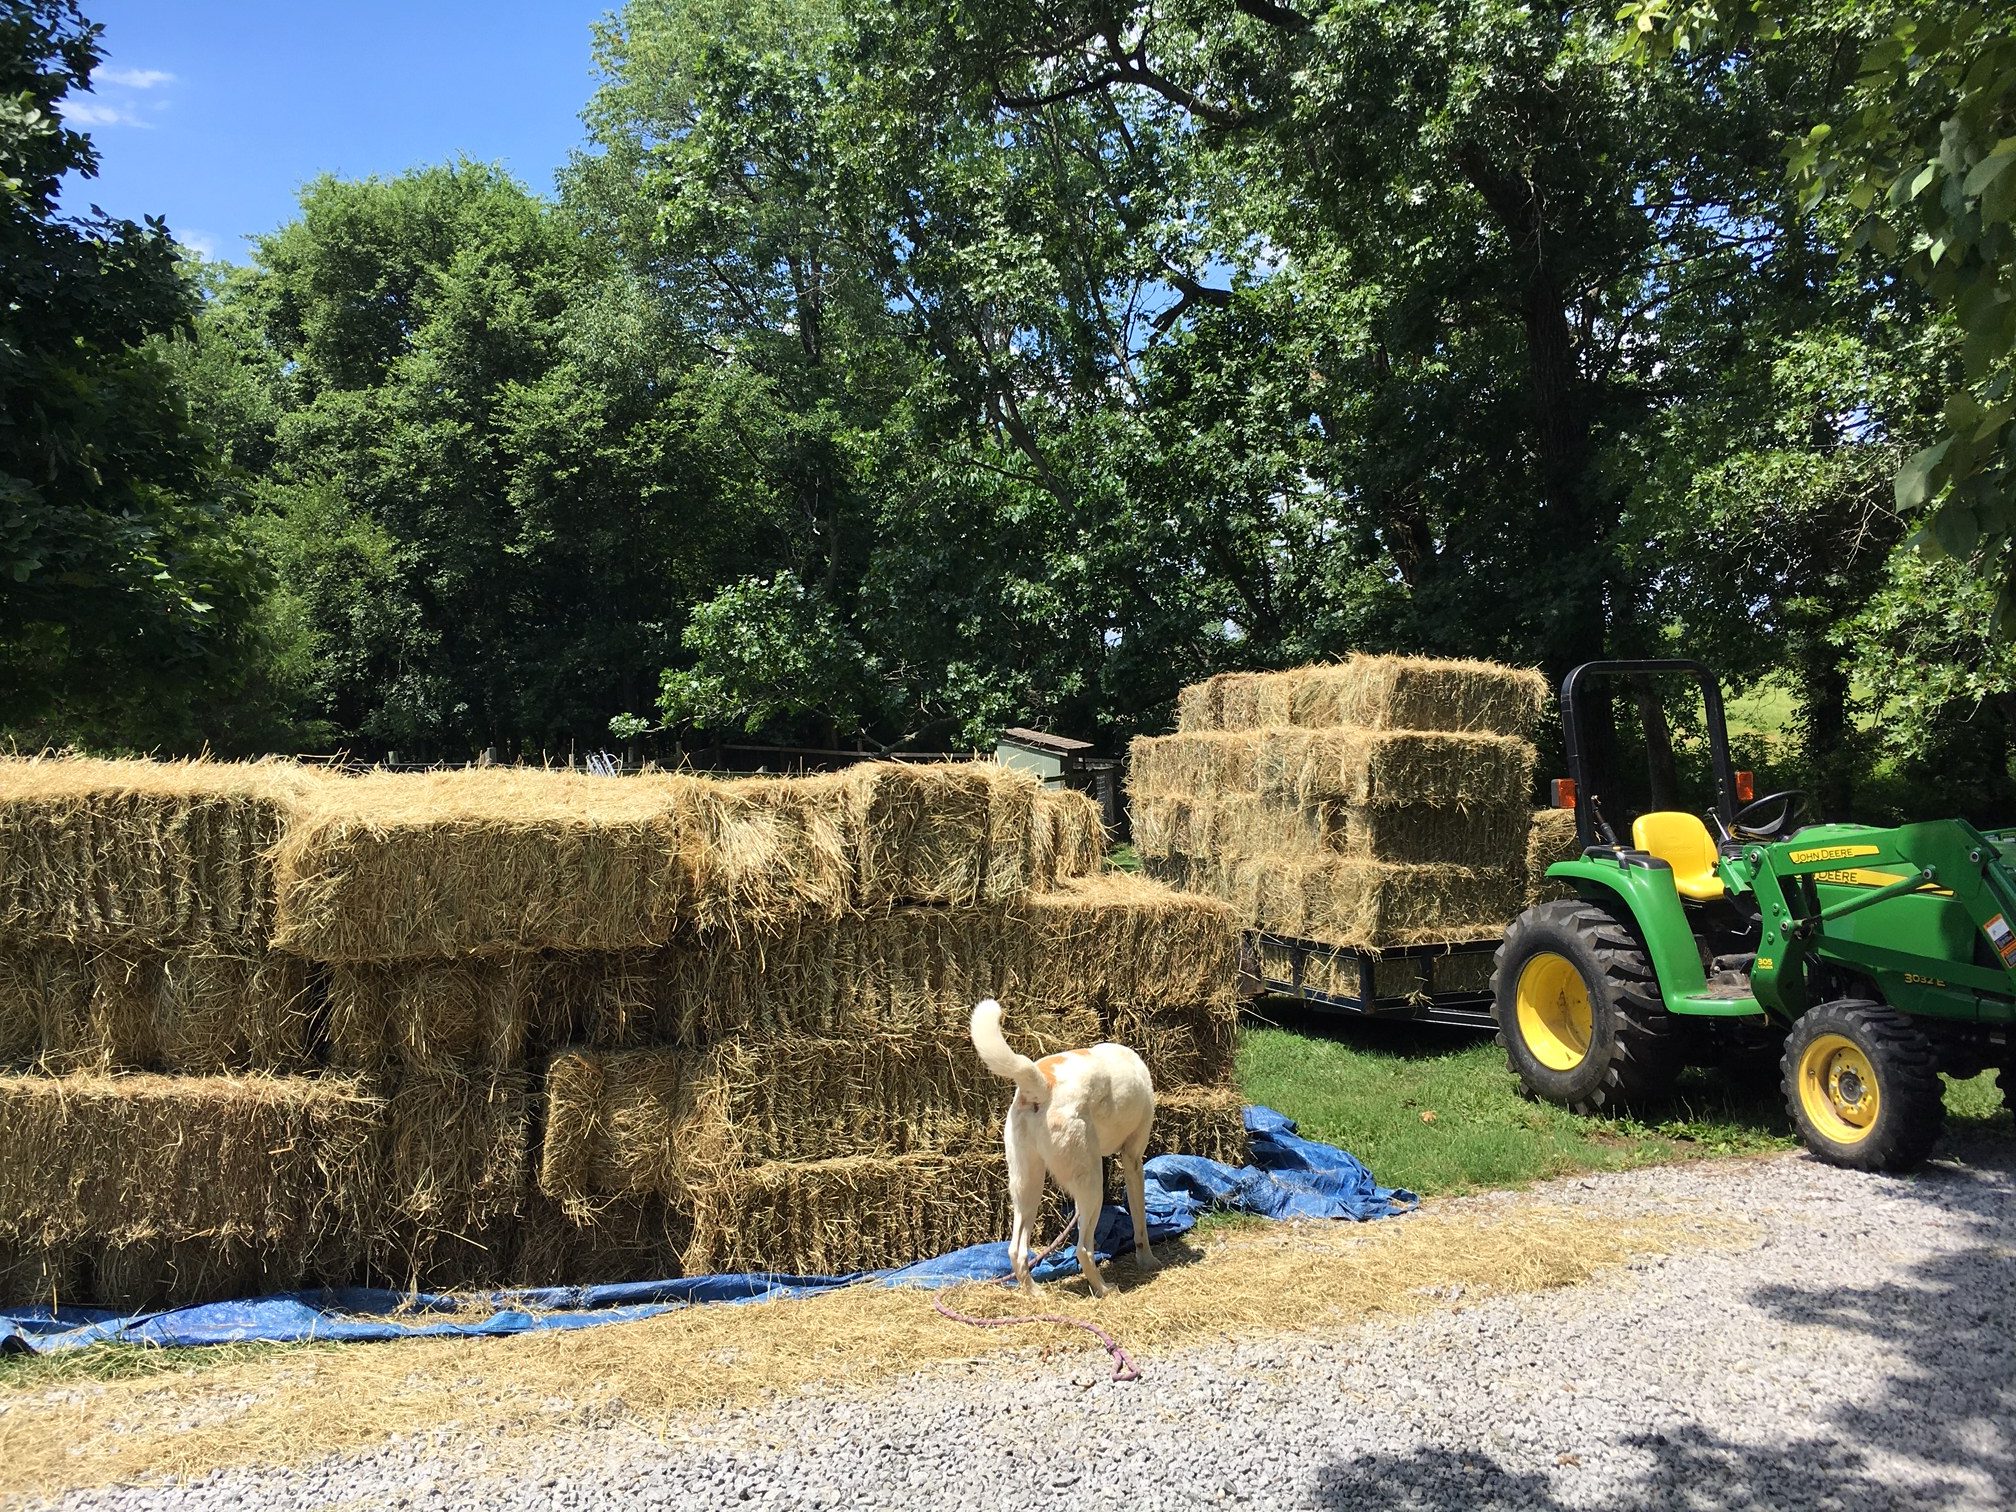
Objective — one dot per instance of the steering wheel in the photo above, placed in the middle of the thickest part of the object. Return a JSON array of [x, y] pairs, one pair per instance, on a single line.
[[1790, 802]]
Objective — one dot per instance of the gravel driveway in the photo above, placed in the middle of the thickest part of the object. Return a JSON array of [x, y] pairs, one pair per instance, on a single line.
[[1859, 1357]]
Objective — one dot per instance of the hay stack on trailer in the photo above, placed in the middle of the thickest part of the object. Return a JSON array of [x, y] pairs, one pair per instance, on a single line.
[[1382, 802], [471, 1028]]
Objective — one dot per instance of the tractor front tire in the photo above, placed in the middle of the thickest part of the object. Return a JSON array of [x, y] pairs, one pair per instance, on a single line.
[[1578, 1009], [1862, 1085]]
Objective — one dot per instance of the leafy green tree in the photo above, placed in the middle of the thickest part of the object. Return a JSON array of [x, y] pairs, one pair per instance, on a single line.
[[127, 594], [1918, 146], [480, 464]]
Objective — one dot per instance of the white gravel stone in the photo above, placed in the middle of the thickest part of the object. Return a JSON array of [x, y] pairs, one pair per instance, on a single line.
[[1861, 1357]]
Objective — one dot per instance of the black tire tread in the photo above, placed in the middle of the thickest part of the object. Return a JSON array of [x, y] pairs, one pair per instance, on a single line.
[[1907, 1079], [1648, 1054]]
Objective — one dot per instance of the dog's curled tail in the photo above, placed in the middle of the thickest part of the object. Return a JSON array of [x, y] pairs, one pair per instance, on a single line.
[[1002, 1061]]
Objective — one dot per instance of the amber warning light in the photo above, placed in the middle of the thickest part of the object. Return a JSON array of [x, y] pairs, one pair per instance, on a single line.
[[1746, 786], [1564, 792]]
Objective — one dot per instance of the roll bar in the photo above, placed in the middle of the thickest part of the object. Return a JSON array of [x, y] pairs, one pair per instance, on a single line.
[[1574, 733]]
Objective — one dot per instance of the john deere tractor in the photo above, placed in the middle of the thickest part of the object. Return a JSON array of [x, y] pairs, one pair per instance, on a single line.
[[1880, 957]]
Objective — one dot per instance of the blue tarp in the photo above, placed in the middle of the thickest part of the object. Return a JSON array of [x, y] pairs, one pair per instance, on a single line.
[[1290, 1177]]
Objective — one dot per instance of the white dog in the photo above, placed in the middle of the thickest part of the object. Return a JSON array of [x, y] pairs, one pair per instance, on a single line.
[[1070, 1112]]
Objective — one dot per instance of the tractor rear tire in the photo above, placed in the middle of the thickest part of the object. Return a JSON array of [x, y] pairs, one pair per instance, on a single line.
[[1579, 1012], [1862, 1084]]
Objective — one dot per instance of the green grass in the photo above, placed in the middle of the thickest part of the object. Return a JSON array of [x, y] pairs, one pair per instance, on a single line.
[[1124, 858], [114, 1362], [1436, 1111]]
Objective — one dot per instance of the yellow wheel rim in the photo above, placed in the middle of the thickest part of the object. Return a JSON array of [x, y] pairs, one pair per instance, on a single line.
[[1554, 1015], [1837, 1089]]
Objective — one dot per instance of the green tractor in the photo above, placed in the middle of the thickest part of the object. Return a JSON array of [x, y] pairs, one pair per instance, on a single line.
[[1879, 957]]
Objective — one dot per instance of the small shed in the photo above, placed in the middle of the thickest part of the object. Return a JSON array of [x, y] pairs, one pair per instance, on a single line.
[[1059, 761]]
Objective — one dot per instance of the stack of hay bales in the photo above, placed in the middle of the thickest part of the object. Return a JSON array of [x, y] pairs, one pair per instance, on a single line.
[[262, 1027], [1381, 802], [1553, 837]]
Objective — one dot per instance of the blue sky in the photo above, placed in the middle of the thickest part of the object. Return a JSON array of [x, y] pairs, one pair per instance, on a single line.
[[214, 113]]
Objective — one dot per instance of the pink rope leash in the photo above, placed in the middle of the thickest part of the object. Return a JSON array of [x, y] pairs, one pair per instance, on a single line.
[[1123, 1366]]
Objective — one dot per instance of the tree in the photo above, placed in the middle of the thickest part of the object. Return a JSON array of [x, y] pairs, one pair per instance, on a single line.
[[127, 594], [1917, 149], [480, 466]]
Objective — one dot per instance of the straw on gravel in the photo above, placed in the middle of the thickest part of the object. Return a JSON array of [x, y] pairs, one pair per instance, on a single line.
[[128, 1158], [144, 852], [1551, 837], [1375, 692], [298, 1406]]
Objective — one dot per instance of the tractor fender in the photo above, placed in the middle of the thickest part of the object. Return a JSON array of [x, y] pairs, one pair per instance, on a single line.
[[1643, 889]]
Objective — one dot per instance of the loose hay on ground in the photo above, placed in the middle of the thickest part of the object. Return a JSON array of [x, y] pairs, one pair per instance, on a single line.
[[296, 1406]]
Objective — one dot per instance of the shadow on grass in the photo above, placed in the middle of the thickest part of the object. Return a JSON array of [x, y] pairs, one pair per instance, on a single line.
[[1948, 1413]]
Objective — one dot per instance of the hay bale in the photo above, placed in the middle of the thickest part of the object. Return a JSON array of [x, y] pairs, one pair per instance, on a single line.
[[1386, 769], [1492, 835], [223, 1011], [1192, 765], [1369, 904], [848, 1214], [762, 850], [1551, 836], [963, 834], [1420, 693], [35, 1273], [1195, 1043], [1201, 706], [45, 1000], [1068, 838], [143, 852], [458, 1149], [155, 1273], [1126, 939], [1206, 1121], [431, 1016], [200, 1011], [664, 1121], [1372, 692], [627, 1240], [616, 1125], [129, 1158], [391, 866]]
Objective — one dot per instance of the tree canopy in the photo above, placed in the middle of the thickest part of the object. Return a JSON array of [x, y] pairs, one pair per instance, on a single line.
[[884, 374]]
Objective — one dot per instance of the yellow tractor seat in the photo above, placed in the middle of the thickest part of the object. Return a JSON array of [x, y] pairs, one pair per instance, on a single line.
[[1683, 843]]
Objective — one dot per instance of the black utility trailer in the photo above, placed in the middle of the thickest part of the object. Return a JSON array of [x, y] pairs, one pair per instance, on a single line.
[[1429, 984]]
